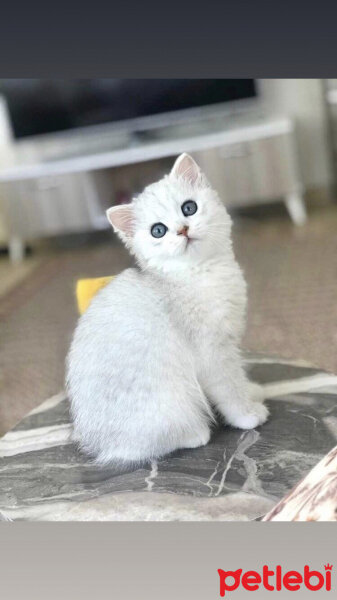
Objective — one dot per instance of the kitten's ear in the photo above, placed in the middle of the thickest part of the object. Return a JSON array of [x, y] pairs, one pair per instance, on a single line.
[[122, 219], [186, 168]]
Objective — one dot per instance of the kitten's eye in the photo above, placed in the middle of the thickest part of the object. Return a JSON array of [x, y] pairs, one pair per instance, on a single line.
[[158, 230], [189, 208]]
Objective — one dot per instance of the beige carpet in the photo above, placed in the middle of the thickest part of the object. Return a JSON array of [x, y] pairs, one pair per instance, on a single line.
[[292, 277]]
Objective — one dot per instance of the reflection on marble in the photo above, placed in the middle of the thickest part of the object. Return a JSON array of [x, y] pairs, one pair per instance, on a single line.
[[239, 475]]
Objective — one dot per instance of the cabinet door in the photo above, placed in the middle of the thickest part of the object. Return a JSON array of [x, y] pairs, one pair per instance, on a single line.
[[55, 204], [259, 170], [274, 168], [229, 171]]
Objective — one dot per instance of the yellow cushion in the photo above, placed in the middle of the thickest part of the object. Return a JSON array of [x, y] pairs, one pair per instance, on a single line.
[[86, 290]]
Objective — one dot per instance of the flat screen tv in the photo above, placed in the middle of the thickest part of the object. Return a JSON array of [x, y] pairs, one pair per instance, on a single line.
[[41, 106]]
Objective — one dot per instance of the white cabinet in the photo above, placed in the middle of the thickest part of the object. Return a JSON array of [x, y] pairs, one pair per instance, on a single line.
[[54, 204], [259, 170], [248, 160]]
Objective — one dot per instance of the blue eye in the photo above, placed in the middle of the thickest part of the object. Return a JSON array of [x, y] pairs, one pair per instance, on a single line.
[[158, 230], [189, 208]]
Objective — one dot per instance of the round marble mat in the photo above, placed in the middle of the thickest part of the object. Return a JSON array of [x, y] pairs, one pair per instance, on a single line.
[[239, 475]]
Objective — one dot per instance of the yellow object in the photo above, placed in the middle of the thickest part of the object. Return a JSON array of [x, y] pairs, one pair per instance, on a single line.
[[86, 290]]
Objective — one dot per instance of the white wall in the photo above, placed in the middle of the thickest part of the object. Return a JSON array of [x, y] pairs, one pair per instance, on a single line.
[[6, 137], [303, 99]]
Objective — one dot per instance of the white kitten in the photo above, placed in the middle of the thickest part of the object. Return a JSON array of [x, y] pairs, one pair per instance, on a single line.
[[159, 345]]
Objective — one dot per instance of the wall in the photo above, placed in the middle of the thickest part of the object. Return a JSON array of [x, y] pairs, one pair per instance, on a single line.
[[303, 99], [5, 138]]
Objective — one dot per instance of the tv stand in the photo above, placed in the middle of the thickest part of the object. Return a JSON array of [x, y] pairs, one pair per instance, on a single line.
[[49, 187]]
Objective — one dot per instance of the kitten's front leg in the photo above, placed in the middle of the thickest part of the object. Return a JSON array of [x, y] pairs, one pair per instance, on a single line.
[[235, 397]]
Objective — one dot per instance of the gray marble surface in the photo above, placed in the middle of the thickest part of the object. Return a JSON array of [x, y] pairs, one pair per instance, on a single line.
[[239, 475]]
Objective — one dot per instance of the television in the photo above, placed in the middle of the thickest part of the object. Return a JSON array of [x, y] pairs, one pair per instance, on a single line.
[[45, 106]]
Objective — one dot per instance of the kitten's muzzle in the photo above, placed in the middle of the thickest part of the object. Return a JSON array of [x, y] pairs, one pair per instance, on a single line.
[[183, 231]]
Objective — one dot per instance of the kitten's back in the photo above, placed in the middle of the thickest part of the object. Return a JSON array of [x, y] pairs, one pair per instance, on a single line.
[[130, 378]]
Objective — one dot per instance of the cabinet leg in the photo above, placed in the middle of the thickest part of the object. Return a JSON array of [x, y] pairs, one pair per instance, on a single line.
[[296, 208], [16, 249]]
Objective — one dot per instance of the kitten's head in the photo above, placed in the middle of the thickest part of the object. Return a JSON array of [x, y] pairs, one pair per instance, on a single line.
[[175, 222]]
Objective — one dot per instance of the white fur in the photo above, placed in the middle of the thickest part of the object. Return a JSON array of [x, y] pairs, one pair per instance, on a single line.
[[159, 346]]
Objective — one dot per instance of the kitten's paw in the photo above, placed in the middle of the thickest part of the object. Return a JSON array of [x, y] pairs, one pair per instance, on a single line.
[[257, 415], [198, 440], [256, 392]]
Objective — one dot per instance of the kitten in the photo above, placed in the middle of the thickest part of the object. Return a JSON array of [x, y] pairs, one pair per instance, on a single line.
[[159, 345]]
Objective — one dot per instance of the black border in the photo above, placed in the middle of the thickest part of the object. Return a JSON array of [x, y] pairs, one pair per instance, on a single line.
[[221, 38]]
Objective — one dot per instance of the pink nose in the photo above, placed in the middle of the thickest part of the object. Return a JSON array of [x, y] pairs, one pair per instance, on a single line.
[[183, 231]]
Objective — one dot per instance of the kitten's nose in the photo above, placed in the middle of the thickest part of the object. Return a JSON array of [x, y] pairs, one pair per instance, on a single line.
[[183, 231]]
